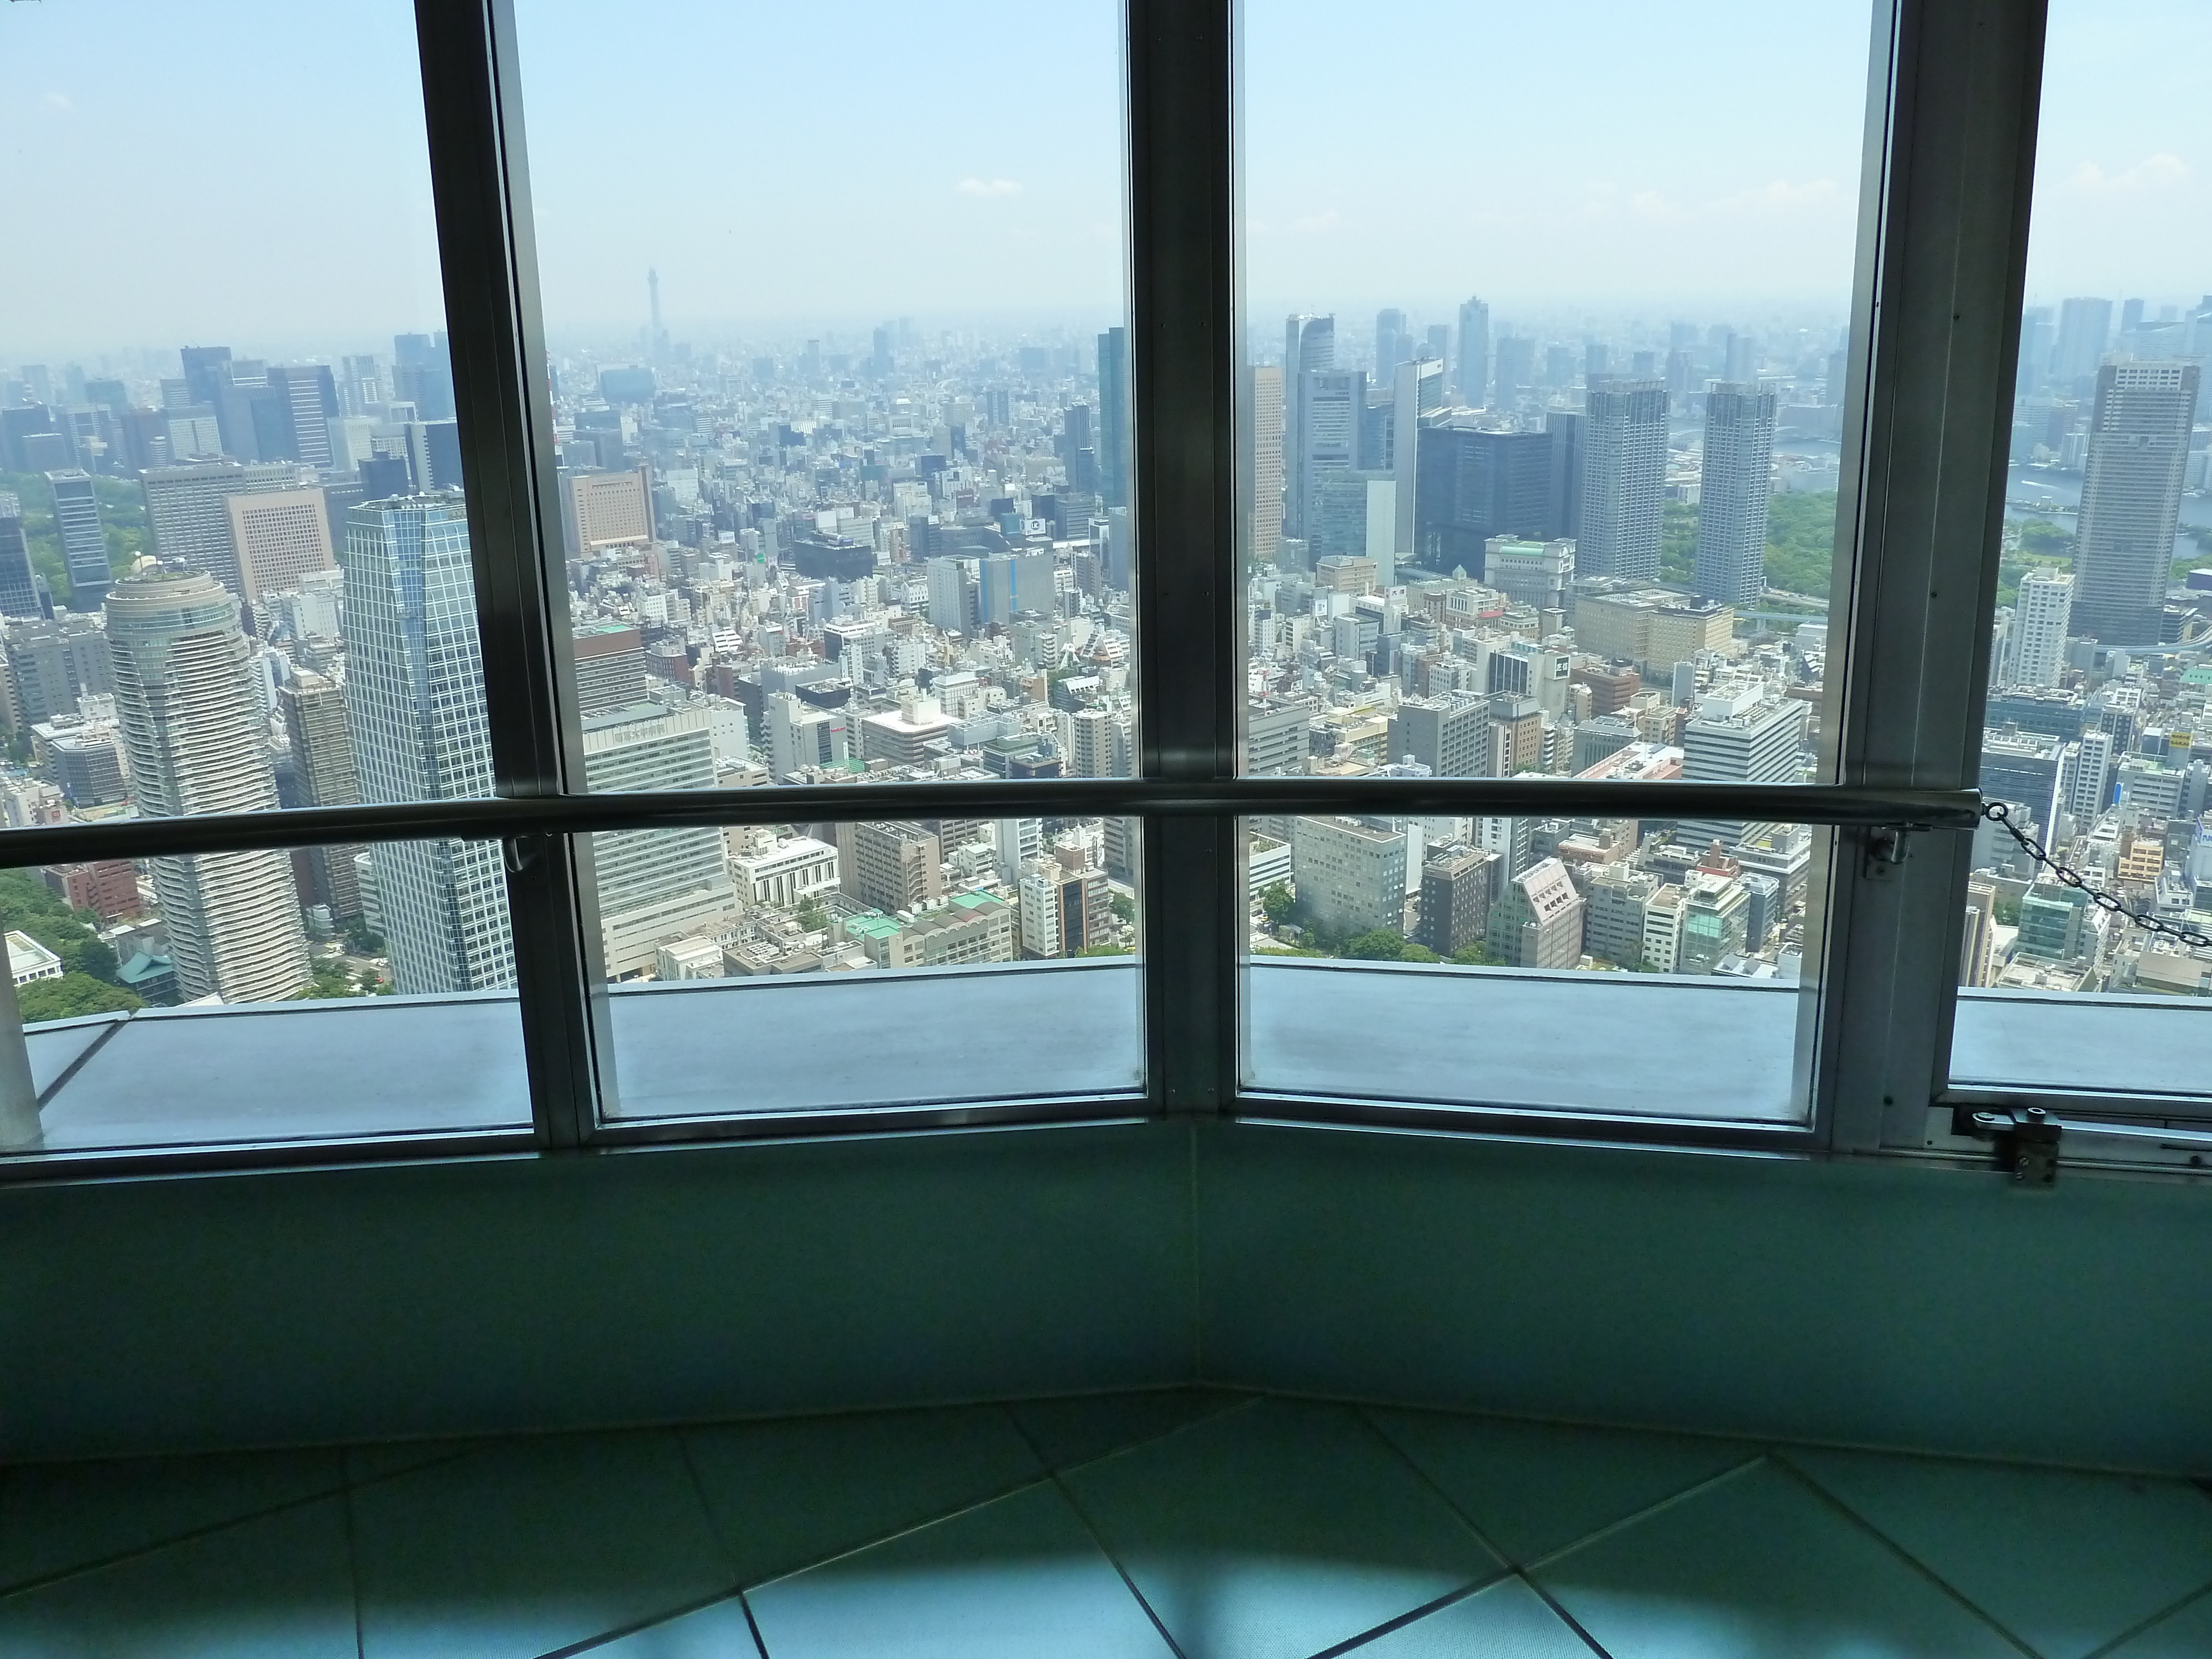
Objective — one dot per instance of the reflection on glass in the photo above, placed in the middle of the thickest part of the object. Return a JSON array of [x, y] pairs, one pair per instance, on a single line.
[[1578, 522], [234, 569], [806, 966], [2100, 723]]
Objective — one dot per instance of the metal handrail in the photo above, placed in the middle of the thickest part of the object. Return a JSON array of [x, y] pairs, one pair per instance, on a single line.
[[509, 818]]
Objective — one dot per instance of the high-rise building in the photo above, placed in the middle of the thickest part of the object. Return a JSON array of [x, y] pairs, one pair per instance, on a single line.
[[891, 867], [1417, 393], [1114, 418], [610, 510], [1066, 905], [415, 701], [1513, 368], [1732, 498], [1537, 918], [1473, 485], [1739, 734], [1263, 482], [654, 884], [2085, 328], [314, 710], [19, 584], [2088, 786], [2042, 616], [1308, 348], [53, 661], [1456, 894], [610, 667], [1450, 737], [1624, 474], [1392, 346], [2138, 459], [306, 399], [433, 454], [188, 512], [1331, 402], [1474, 381], [193, 728], [83, 538], [1349, 873], [281, 535]]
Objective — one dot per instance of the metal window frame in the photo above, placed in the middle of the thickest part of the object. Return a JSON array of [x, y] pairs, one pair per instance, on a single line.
[[1950, 145]]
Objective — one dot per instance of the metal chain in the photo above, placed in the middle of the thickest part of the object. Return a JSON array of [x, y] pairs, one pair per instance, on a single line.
[[1998, 813]]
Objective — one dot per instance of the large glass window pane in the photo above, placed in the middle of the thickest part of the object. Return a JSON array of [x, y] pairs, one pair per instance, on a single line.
[[2099, 725], [1542, 441], [235, 565], [839, 364]]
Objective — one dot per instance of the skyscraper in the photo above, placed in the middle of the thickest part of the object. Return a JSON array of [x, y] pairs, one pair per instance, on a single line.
[[1114, 418], [1331, 401], [193, 729], [188, 514], [415, 703], [84, 541], [654, 884], [1739, 734], [1264, 475], [1473, 485], [1391, 345], [1308, 346], [19, 587], [314, 710], [1516, 370], [281, 535], [2040, 619], [1624, 478], [2131, 498], [2085, 328], [307, 398], [1732, 500], [1474, 353]]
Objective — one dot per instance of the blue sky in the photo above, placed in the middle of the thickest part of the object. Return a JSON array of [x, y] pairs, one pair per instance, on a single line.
[[254, 171]]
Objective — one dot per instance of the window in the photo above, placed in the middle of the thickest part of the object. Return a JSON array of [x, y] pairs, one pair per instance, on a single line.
[[1577, 523], [1180, 571], [236, 578], [843, 463], [2098, 694]]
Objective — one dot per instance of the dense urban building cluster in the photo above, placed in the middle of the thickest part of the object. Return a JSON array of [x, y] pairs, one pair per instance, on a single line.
[[1468, 551], [251, 586], [1501, 555]]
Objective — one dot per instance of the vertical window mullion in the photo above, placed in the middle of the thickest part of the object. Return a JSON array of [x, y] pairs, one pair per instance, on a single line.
[[486, 239], [1941, 327], [1183, 376]]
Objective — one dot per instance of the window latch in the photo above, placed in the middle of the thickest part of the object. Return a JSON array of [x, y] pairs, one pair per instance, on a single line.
[[522, 852], [2027, 1141], [1885, 848]]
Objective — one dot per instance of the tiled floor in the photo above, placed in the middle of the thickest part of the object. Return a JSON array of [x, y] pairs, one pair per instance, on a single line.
[[1212, 1526]]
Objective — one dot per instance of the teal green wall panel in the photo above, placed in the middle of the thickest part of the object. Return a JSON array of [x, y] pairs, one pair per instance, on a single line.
[[448, 1298], [1890, 1305]]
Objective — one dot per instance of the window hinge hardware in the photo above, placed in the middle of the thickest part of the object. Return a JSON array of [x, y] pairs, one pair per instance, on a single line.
[[2027, 1141], [523, 852], [1885, 848]]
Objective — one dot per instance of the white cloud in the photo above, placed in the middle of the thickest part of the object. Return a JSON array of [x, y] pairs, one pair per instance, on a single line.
[[2160, 172], [1778, 196], [988, 187]]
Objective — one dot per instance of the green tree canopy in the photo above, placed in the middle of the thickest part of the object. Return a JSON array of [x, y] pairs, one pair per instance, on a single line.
[[71, 995], [28, 905]]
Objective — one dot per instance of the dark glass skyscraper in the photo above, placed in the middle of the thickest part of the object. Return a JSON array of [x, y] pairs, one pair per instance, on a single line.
[[2131, 499], [1624, 478], [1114, 418]]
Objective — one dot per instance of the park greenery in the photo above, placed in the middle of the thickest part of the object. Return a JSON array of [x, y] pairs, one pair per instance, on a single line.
[[88, 984], [1800, 542], [1280, 906], [122, 512]]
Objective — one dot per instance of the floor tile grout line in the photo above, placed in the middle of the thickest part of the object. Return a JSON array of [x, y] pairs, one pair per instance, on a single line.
[[353, 1566], [1246, 1400], [1082, 1519], [2201, 1593], [714, 1522], [745, 1607], [1391, 1626], [1482, 1536], [141, 1551], [1782, 1460], [1698, 1489], [650, 1621]]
